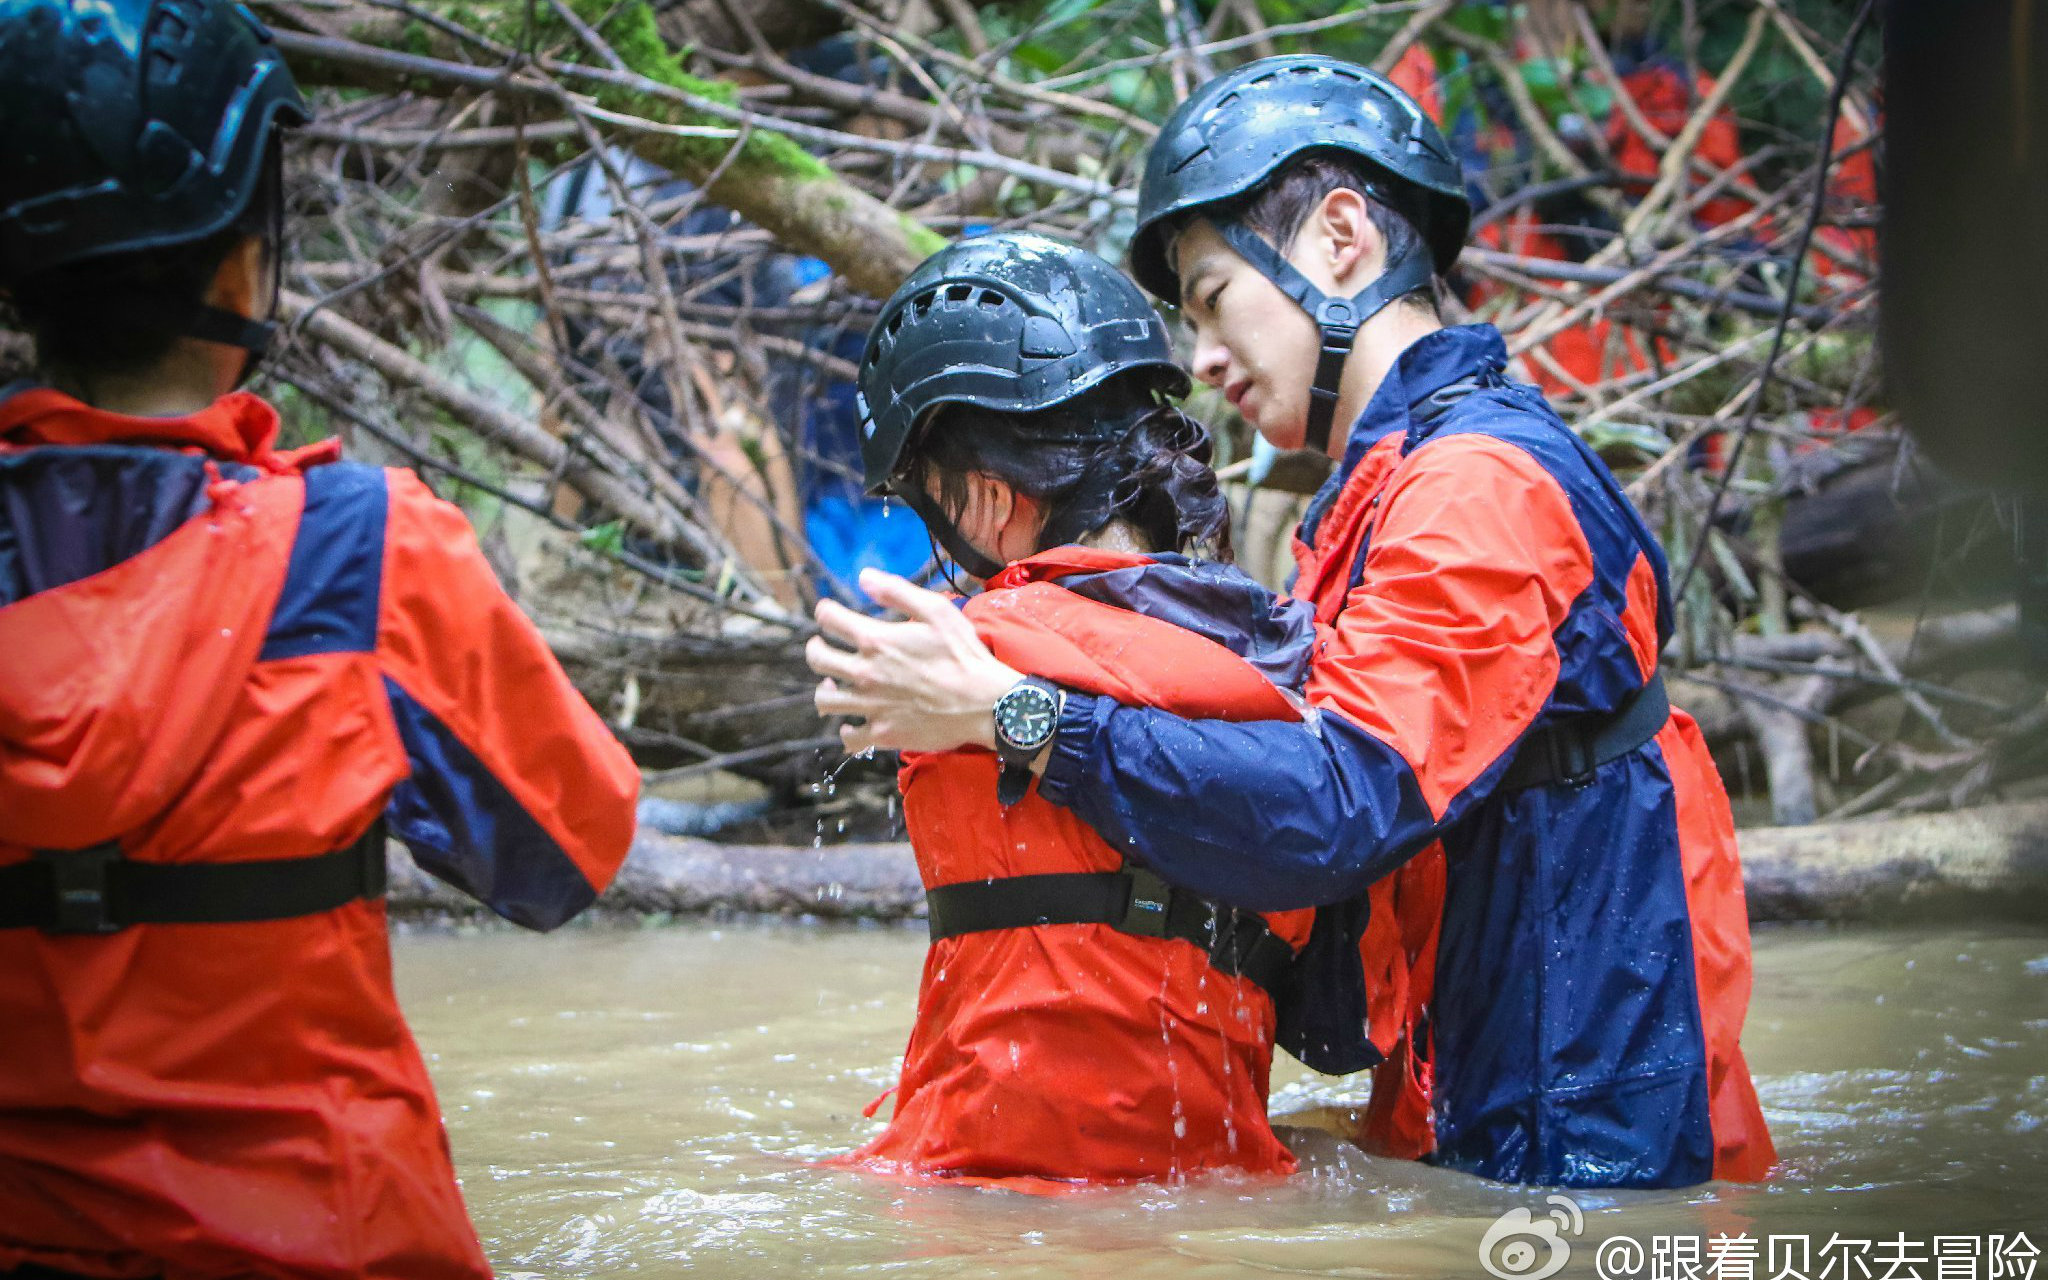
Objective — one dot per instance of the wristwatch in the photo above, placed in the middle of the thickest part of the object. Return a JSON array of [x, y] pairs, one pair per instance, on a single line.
[[1026, 718]]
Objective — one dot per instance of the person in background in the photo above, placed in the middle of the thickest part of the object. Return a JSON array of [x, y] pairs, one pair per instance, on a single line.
[[1525, 853], [1077, 1021], [226, 668]]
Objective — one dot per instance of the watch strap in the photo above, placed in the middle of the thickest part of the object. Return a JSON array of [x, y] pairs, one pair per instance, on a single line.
[[1013, 783]]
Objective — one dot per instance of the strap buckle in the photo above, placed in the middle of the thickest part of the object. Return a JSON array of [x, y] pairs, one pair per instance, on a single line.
[[80, 880], [1151, 901], [1572, 757], [370, 848], [1340, 314]]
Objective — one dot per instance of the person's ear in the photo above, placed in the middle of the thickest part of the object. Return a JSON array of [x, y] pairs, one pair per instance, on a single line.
[[991, 503], [1355, 251], [241, 283]]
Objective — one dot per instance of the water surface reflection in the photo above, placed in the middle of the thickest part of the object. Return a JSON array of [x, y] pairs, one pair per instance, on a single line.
[[644, 1101]]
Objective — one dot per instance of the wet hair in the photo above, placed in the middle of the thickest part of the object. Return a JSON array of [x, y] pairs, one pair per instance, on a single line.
[[1279, 207], [120, 312], [1116, 452]]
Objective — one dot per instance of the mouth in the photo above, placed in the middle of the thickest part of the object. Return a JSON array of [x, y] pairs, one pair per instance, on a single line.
[[1236, 392]]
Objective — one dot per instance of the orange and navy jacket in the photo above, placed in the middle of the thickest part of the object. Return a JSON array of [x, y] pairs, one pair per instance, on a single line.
[[1575, 1018], [1076, 1052], [215, 653]]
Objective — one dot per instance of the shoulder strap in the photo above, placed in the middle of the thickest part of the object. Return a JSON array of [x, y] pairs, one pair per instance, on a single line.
[[1569, 751]]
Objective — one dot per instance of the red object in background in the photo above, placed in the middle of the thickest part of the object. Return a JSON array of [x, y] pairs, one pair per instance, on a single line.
[[1659, 93], [1415, 75], [1852, 182], [1586, 353], [1825, 424]]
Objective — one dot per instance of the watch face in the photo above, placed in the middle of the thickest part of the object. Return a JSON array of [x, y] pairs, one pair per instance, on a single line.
[[1026, 716]]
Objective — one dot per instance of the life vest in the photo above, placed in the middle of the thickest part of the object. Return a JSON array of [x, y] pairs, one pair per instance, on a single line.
[[1082, 1052], [224, 664]]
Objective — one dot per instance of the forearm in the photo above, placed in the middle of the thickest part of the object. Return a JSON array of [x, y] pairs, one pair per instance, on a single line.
[[1267, 815]]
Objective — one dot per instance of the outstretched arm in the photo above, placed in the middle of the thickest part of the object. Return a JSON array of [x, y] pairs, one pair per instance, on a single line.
[[1440, 661]]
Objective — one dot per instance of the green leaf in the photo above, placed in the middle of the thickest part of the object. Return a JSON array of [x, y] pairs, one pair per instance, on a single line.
[[1540, 75], [1616, 437], [1039, 58], [1487, 21], [606, 539]]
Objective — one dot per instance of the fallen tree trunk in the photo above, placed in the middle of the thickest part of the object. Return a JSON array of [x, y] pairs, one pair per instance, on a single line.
[[670, 875], [1987, 863]]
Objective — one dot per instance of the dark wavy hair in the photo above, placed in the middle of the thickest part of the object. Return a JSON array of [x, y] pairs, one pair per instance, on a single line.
[[1115, 452]]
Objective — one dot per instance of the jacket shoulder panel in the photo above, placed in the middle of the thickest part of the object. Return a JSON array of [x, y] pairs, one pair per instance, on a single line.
[[332, 583], [67, 513], [1092, 645], [1608, 645], [1518, 415], [1274, 634]]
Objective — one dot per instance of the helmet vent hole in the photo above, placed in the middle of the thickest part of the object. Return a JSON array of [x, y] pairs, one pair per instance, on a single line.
[[959, 293], [991, 299]]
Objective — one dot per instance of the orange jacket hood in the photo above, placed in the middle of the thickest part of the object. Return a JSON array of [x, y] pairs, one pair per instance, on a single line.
[[113, 687]]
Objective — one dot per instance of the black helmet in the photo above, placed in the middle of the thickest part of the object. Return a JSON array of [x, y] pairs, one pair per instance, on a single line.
[[130, 124], [1011, 321], [1235, 131], [1238, 130]]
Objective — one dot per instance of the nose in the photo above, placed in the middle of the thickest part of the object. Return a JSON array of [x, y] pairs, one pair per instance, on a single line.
[[1211, 358]]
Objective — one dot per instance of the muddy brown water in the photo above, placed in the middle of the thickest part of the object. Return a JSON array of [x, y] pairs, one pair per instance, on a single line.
[[652, 1102]]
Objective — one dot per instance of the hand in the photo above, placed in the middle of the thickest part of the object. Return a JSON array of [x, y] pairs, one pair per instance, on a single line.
[[927, 683]]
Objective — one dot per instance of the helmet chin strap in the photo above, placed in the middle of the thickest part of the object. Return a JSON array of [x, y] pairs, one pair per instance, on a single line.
[[1339, 318], [217, 324], [209, 323], [948, 536]]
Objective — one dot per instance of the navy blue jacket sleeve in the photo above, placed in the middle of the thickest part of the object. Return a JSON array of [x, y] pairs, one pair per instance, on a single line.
[[1265, 815]]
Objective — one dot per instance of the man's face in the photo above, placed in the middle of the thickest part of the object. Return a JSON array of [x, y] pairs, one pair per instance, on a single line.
[[1251, 341]]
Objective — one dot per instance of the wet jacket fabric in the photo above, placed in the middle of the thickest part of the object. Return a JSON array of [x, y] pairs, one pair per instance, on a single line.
[[1076, 1052], [1557, 975], [215, 653]]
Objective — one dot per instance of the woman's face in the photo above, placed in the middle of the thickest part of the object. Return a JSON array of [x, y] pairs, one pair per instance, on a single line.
[[1252, 342]]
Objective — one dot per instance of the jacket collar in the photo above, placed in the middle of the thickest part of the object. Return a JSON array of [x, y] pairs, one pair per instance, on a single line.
[[240, 427], [1059, 562], [1401, 403], [1431, 363]]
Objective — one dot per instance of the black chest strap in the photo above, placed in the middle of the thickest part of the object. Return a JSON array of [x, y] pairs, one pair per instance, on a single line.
[[1134, 901], [97, 890], [1570, 750]]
